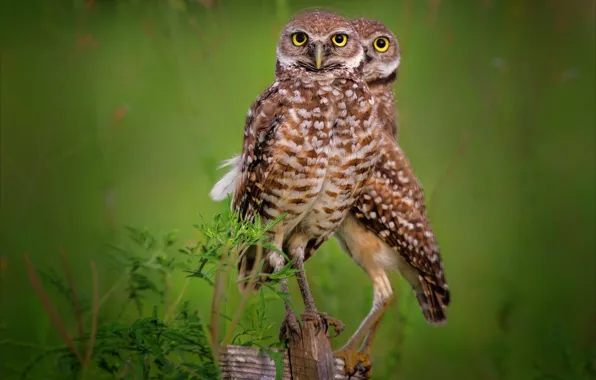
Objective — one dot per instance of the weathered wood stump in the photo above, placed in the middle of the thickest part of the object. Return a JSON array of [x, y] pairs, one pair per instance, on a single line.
[[250, 363], [308, 358], [310, 352]]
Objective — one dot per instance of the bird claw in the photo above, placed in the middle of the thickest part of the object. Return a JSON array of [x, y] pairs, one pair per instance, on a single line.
[[355, 362], [288, 327], [323, 321], [364, 365], [338, 326]]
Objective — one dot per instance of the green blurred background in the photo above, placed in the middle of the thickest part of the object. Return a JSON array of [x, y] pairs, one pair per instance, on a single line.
[[118, 113]]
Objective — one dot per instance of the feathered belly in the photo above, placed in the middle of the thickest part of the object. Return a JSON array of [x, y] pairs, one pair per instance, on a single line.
[[296, 185], [349, 164]]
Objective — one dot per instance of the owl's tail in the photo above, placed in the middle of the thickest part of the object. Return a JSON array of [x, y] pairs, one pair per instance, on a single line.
[[433, 300], [246, 265]]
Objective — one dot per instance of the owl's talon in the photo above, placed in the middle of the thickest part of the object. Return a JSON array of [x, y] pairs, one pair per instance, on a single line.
[[323, 321], [314, 317], [364, 365], [338, 325], [350, 360], [354, 361], [288, 327]]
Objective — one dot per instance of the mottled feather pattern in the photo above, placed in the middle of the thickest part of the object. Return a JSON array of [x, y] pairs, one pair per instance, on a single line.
[[289, 151], [393, 206], [309, 146], [385, 100], [254, 163], [311, 151]]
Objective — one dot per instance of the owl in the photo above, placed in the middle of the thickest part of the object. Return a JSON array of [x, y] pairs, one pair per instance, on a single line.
[[310, 143], [388, 227], [382, 58]]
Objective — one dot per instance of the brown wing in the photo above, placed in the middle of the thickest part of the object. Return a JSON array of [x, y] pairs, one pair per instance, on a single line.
[[393, 207], [264, 116], [257, 167]]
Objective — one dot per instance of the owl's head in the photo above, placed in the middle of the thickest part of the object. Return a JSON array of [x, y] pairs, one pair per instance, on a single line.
[[381, 49], [319, 43]]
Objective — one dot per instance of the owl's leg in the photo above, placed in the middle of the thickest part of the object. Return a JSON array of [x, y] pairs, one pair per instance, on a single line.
[[370, 337], [290, 323], [383, 293], [309, 303], [364, 353]]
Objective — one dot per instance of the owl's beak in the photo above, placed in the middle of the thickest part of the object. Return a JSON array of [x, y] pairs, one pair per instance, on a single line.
[[318, 55]]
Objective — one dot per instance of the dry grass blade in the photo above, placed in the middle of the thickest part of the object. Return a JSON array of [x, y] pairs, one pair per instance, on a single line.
[[184, 368], [245, 295], [172, 308], [218, 289], [167, 290], [95, 312], [215, 304], [107, 295], [73, 294], [49, 308], [125, 370]]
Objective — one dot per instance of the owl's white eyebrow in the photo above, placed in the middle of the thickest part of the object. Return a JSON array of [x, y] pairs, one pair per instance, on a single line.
[[379, 35], [292, 31], [342, 31]]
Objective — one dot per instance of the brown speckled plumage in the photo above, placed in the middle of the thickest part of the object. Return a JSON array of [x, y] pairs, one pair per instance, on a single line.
[[310, 143], [388, 228], [297, 152], [380, 68], [393, 204]]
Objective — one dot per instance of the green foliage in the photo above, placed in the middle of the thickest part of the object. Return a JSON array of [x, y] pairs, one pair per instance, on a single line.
[[149, 348], [172, 342], [259, 326], [120, 111]]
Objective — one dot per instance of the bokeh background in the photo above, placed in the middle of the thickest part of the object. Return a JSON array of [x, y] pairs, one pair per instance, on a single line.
[[117, 113]]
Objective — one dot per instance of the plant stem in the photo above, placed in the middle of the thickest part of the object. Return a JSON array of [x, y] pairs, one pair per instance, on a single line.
[[245, 295]]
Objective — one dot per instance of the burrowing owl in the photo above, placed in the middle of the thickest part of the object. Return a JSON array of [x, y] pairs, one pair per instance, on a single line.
[[310, 142], [388, 227], [382, 58]]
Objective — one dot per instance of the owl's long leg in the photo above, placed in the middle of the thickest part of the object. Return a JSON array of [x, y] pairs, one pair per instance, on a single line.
[[290, 323], [383, 293], [309, 303], [364, 362], [370, 337]]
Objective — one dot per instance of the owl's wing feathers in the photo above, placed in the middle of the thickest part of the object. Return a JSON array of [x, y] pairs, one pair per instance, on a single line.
[[256, 163], [393, 207], [263, 187], [257, 167]]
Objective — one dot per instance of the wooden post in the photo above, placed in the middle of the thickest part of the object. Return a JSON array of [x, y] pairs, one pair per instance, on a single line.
[[311, 357], [250, 363]]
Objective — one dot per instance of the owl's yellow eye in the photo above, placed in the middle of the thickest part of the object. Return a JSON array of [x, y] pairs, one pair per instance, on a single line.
[[299, 39], [339, 40], [381, 44]]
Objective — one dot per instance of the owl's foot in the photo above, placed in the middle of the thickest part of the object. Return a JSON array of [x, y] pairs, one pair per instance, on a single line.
[[338, 326], [355, 362], [364, 364], [289, 326], [323, 321]]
